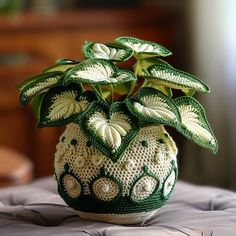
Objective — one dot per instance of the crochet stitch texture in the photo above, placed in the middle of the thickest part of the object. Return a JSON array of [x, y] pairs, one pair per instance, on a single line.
[[140, 182]]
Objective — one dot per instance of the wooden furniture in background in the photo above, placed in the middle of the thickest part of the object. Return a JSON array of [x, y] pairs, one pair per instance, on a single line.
[[15, 168], [30, 43]]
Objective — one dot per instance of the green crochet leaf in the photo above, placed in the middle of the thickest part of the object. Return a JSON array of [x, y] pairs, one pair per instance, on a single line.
[[163, 89], [62, 65], [61, 105], [110, 129], [153, 106], [64, 61], [143, 48], [143, 64], [113, 52], [36, 104], [194, 124], [189, 92], [122, 89], [167, 91], [146, 62], [37, 84], [98, 71], [173, 78]]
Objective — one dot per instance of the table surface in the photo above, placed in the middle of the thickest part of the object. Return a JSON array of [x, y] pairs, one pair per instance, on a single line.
[[37, 209]]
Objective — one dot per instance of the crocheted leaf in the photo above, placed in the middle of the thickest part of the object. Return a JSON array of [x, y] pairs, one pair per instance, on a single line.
[[173, 78], [113, 52], [37, 103], [64, 61], [62, 65], [38, 84], [153, 106], [61, 105], [122, 89], [143, 48], [98, 71], [194, 124], [147, 62], [110, 129], [167, 91], [143, 64], [163, 89]]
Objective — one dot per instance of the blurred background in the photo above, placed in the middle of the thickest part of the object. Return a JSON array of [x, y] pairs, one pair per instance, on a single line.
[[201, 34]]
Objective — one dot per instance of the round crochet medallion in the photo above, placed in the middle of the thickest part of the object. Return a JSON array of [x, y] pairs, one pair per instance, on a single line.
[[128, 190]]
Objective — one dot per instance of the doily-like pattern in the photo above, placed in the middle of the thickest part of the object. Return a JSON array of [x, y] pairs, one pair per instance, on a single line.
[[143, 188], [71, 186], [105, 189], [152, 147]]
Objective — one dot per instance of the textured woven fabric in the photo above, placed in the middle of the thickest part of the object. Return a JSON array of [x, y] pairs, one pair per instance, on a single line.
[[38, 210], [141, 181]]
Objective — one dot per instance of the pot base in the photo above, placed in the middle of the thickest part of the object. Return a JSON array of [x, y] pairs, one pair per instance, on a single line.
[[124, 219]]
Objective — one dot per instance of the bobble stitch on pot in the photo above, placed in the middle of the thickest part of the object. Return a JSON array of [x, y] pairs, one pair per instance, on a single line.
[[62, 147], [80, 160], [127, 167], [97, 159], [161, 154]]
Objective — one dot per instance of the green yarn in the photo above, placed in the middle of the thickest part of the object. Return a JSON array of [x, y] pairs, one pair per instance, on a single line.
[[73, 142], [144, 143], [121, 204]]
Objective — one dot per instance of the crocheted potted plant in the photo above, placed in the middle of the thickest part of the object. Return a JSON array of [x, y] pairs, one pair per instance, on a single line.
[[115, 160]]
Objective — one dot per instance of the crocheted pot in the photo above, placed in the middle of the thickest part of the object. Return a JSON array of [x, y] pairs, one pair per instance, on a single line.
[[127, 191]]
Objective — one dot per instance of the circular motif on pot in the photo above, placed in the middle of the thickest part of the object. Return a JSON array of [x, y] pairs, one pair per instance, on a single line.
[[72, 186], [105, 189], [169, 184], [143, 188]]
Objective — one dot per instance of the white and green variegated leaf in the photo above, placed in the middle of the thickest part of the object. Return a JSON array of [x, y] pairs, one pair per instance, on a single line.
[[173, 78], [61, 105], [112, 128], [113, 52], [194, 124], [143, 48], [37, 84], [153, 106], [98, 72]]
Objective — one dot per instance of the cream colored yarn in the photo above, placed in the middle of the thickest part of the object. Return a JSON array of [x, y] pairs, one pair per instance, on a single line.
[[85, 162]]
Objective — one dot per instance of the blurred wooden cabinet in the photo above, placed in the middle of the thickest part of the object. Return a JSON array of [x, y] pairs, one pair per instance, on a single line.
[[30, 43]]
